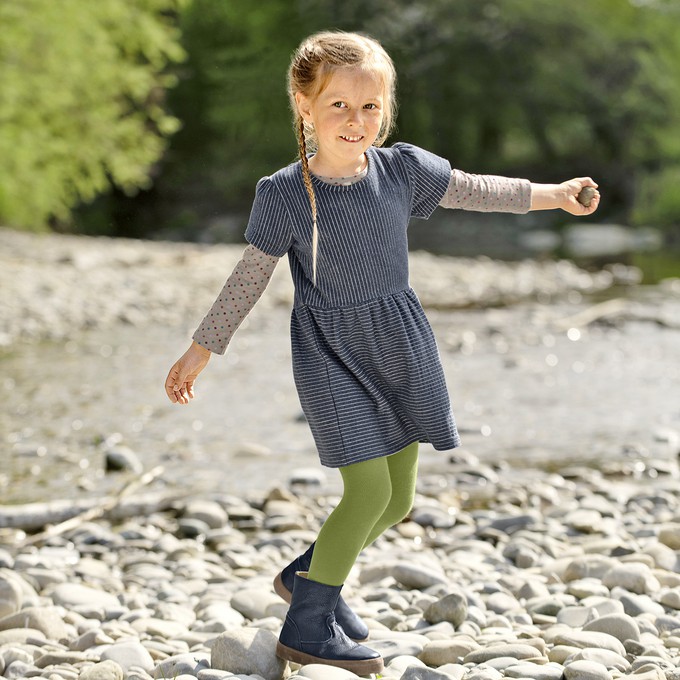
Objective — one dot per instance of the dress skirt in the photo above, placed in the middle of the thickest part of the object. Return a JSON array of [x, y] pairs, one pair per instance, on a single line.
[[370, 379]]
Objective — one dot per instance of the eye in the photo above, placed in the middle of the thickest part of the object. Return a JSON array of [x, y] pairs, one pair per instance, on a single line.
[[339, 105], [371, 106]]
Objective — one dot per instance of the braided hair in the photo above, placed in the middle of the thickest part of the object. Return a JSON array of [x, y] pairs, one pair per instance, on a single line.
[[311, 68]]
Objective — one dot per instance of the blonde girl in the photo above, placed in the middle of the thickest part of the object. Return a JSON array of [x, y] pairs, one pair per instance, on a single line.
[[365, 361]]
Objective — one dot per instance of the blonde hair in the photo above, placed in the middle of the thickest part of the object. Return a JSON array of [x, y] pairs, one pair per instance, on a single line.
[[313, 64]]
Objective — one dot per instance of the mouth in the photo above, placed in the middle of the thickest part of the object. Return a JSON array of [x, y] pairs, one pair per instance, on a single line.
[[352, 139]]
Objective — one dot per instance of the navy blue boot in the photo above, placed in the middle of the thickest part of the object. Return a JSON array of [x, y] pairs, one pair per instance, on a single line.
[[355, 628], [310, 633]]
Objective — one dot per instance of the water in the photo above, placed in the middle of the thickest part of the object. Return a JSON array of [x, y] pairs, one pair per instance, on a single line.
[[524, 390]]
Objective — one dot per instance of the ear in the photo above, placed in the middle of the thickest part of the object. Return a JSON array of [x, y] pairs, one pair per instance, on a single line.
[[304, 107]]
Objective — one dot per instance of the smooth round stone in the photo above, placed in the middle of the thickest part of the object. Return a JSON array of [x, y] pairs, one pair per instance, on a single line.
[[560, 653], [582, 639], [25, 655], [438, 518], [587, 587], [670, 598], [20, 670], [603, 605], [188, 527], [165, 629], [417, 576], [663, 556], [127, 654], [56, 658], [621, 626], [248, 651], [483, 673], [635, 605], [452, 608], [514, 650], [548, 671], [105, 670], [655, 674], [21, 636], [586, 521], [209, 512], [666, 623], [604, 656], [10, 596], [501, 602], [397, 644], [323, 672], [122, 458], [440, 652], [632, 576], [420, 673], [222, 612], [253, 603], [576, 617], [586, 670], [588, 566], [399, 664], [214, 674], [182, 663], [75, 595], [45, 619], [670, 535], [307, 477]]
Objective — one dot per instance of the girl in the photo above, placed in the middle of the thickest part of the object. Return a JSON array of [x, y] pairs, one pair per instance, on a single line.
[[365, 361]]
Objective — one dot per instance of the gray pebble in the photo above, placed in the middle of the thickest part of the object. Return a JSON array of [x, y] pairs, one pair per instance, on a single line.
[[621, 626], [248, 651], [514, 650], [128, 654], [416, 576], [548, 671], [452, 608], [586, 670], [105, 670]]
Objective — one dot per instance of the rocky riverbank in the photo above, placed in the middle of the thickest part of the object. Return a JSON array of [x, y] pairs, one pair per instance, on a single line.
[[547, 548], [496, 574], [54, 287]]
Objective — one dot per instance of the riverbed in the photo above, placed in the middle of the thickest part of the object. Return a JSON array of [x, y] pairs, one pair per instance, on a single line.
[[538, 373]]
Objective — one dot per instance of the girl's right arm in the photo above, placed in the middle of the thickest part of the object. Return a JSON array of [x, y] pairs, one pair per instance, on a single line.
[[241, 291]]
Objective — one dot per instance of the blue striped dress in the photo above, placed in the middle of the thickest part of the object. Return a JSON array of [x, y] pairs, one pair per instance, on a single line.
[[365, 361]]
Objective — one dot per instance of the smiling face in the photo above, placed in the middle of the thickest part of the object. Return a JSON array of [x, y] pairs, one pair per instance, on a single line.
[[347, 116]]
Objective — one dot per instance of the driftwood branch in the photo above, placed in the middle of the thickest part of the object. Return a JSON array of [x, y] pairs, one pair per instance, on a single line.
[[64, 515], [616, 308]]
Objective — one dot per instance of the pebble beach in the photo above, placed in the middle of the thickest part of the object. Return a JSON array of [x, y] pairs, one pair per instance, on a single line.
[[547, 547]]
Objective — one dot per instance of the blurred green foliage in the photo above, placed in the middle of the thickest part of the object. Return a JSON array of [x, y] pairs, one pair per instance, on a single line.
[[81, 101], [531, 88]]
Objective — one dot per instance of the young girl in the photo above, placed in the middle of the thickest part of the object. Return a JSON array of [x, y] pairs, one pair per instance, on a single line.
[[365, 361]]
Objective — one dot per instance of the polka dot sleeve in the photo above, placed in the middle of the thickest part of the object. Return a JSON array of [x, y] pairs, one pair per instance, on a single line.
[[242, 290], [487, 193]]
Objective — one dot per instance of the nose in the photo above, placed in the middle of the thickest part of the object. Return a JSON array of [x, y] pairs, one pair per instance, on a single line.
[[354, 117]]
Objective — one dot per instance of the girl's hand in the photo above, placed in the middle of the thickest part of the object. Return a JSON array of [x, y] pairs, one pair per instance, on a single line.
[[179, 385], [564, 196], [571, 189]]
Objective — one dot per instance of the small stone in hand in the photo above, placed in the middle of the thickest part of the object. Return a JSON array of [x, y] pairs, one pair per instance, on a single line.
[[585, 196]]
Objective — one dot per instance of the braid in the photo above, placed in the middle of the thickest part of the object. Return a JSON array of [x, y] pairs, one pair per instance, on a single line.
[[307, 177]]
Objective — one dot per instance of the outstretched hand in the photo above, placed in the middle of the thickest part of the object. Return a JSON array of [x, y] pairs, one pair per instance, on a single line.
[[179, 385], [572, 188], [564, 196]]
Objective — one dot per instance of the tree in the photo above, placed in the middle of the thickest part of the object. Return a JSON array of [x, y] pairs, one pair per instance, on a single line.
[[82, 87]]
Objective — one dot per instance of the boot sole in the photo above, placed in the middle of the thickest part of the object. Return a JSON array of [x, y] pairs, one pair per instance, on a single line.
[[286, 595], [359, 667]]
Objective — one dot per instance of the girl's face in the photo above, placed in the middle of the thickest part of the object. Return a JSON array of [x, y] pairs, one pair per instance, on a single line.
[[346, 116]]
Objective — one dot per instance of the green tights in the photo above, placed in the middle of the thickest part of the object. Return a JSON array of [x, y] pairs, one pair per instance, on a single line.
[[377, 494]]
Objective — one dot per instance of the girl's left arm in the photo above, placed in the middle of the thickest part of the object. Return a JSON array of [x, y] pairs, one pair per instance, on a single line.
[[564, 196]]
